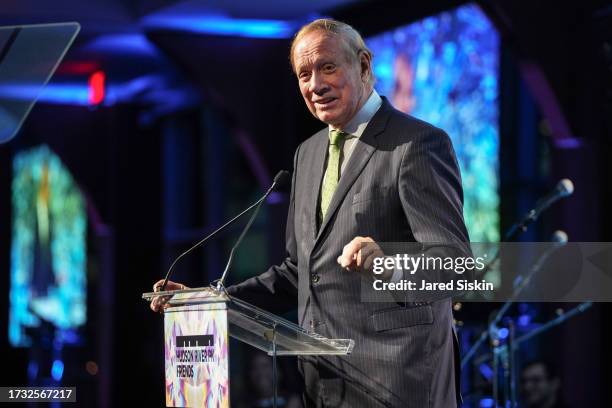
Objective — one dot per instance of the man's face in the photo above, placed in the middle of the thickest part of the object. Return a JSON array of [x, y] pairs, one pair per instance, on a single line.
[[334, 86], [537, 388]]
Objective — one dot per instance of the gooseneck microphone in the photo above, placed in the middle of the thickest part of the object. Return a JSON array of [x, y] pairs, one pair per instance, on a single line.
[[280, 180], [564, 188]]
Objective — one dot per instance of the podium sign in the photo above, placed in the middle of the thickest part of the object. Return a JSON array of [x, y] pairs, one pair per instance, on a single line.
[[196, 354], [196, 325]]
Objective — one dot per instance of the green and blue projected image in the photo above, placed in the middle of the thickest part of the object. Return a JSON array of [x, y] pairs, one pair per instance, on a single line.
[[444, 70], [49, 249]]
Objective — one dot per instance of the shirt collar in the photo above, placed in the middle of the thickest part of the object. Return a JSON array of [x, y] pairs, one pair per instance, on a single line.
[[359, 122]]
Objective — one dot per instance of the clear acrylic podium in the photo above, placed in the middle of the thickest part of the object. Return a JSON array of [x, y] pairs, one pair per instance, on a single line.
[[197, 323]]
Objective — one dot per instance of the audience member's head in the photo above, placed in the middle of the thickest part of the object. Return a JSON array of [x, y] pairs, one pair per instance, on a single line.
[[540, 384]]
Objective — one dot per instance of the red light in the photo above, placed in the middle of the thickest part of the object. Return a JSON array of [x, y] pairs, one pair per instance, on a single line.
[[96, 87], [77, 68]]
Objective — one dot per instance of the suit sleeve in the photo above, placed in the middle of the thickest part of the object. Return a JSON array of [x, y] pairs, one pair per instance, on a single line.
[[432, 199], [430, 189], [276, 289]]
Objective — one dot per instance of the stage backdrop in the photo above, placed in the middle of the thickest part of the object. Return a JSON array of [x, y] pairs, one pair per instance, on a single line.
[[444, 70], [49, 248]]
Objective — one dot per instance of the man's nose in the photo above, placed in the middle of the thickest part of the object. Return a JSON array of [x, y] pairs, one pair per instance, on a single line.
[[317, 84]]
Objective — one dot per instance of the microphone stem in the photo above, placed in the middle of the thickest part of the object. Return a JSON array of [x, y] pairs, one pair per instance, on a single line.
[[244, 231], [257, 203]]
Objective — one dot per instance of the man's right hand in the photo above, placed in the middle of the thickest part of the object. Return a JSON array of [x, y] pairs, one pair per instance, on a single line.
[[158, 304]]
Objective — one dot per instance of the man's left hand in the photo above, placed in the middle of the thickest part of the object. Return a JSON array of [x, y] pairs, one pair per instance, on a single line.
[[358, 255]]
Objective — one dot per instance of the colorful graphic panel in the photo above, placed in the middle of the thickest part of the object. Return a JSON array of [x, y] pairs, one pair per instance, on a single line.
[[49, 248], [444, 70], [196, 354]]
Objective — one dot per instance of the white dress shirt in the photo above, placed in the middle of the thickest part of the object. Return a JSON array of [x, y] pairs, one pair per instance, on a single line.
[[356, 126]]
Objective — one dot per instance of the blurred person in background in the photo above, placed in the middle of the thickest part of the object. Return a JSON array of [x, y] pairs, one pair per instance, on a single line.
[[540, 384]]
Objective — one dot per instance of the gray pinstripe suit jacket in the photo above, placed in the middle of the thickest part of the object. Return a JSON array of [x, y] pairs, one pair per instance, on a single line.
[[402, 183]]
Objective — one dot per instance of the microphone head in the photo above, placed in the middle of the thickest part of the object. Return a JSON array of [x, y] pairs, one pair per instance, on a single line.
[[281, 179], [559, 236], [565, 187]]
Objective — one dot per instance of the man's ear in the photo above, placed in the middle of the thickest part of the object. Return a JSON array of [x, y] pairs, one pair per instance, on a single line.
[[365, 63]]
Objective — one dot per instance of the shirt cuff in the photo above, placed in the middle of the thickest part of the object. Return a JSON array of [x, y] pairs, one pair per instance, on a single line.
[[397, 275]]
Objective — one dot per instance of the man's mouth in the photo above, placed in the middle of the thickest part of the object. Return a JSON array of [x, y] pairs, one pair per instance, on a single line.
[[324, 102]]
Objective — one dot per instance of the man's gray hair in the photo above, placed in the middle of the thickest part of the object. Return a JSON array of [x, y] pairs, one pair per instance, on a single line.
[[352, 40]]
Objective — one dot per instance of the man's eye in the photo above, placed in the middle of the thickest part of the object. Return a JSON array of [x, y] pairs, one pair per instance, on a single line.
[[304, 75], [329, 68]]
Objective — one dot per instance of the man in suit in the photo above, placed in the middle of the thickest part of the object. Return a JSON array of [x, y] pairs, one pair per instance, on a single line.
[[373, 175]]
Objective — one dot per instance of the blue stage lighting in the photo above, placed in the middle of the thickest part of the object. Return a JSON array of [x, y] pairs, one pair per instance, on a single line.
[[226, 26], [486, 403], [69, 94], [57, 370], [134, 44], [524, 320], [486, 371], [32, 370]]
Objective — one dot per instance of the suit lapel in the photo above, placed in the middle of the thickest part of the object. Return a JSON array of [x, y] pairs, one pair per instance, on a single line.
[[363, 150], [318, 167]]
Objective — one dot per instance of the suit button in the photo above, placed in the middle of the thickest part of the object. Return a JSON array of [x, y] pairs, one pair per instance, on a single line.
[[314, 278]]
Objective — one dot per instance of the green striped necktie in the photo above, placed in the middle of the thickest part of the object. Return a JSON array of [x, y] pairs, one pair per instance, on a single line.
[[332, 173]]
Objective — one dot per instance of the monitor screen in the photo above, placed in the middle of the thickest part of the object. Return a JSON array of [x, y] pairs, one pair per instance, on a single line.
[[444, 70], [48, 254]]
